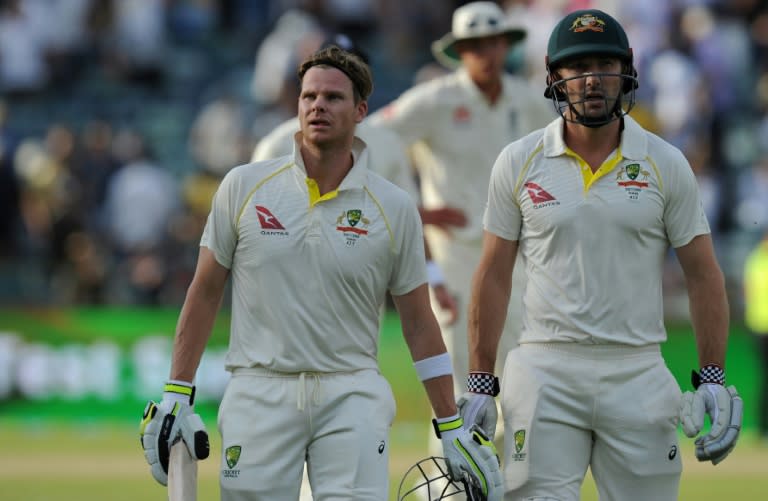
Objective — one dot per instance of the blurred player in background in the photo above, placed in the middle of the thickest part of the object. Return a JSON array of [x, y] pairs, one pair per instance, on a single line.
[[592, 203], [313, 242], [456, 125]]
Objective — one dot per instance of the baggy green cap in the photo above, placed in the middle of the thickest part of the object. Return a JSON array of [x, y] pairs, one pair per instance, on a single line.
[[587, 32]]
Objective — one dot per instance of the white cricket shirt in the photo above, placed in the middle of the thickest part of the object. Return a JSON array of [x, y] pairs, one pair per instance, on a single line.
[[457, 135], [386, 152], [309, 272], [593, 245]]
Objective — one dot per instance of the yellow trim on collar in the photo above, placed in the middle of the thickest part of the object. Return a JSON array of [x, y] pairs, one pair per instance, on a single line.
[[586, 171], [314, 193]]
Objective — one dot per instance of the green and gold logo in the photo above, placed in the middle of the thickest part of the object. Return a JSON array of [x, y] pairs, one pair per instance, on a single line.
[[232, 455], [353, 216], [519, 440], [633, 170]]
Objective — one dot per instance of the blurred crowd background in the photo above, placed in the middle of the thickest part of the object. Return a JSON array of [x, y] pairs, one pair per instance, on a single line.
[[118, 118]]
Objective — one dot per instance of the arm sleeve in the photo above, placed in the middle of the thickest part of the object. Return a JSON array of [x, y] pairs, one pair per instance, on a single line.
[[220, 232], [409, 116], [684, 216], [410, 269], [502, 212]]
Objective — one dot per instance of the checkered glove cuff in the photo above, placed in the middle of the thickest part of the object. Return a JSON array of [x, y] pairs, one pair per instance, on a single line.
[[710, 373], [483, 382]]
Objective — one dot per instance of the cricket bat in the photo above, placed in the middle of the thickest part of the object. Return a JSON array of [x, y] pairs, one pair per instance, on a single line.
[[182, 474]]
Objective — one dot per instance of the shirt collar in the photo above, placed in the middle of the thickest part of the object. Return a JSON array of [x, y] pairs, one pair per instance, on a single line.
[[355, 178], [634, 142]]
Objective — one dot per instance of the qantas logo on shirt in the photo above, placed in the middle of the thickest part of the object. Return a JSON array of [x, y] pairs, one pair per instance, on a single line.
[[539, 196], [269, 223], [461, 114]]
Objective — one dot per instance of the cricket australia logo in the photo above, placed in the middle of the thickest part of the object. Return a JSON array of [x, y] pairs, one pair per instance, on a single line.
[[232, 456], [631, 184], [519, 437], [353, 225], [588, 22]]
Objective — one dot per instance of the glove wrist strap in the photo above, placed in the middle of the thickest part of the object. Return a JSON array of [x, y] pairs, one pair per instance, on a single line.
[[709, 374], [483, 382], [447, 425], [179, 391]]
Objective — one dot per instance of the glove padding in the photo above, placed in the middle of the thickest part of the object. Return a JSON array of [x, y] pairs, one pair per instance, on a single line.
[[479, 409], [724, 407], [471, 458], [165, 424]]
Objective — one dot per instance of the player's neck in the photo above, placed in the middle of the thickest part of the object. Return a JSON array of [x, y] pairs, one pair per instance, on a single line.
[[327, 167], [491, 90], [593, 145]]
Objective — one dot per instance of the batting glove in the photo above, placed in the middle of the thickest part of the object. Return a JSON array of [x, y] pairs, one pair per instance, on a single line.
[[164, 424], [477, 406], [724, 408], [470, 456]]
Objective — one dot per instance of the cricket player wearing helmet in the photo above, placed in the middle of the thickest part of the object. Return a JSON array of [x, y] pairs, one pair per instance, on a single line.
[[592, 203], [313, 241]]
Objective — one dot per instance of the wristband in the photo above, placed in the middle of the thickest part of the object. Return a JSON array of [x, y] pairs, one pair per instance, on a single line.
[[434, 274], [709, 374], [447, 424], [483, 382], [179, 391], [432, 367]]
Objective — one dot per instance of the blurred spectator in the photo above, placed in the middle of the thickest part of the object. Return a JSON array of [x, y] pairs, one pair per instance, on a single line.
[[23, 44], [752, 197], [756, 319], [137, 45], [142, 198], [219, 138]]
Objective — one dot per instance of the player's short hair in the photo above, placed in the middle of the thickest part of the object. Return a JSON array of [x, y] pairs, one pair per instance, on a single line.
[[346, 62]]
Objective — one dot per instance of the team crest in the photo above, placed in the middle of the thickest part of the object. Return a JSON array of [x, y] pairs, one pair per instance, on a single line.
[[519, 440], [587, 22], [353, 224], [519, 437], [353, 216], [232, 455], [635, 182], [632, 171]]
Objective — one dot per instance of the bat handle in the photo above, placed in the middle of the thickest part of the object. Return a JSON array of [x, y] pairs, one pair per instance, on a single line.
[[182, 474]]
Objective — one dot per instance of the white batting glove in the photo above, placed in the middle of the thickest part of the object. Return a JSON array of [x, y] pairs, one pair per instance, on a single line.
[[164, 424], [477, 406], [470, 457], [724, 408]]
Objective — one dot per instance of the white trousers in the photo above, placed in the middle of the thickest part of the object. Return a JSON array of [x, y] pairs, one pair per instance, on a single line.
[[567, 407], [271, 424]]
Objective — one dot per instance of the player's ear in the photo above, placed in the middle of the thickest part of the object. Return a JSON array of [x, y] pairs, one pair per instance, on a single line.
[[362, 110]]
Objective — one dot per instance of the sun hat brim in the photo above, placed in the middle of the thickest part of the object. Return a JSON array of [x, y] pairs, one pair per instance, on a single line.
[[444, 49]]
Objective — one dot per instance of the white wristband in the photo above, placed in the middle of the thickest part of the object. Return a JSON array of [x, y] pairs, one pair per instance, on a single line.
[[432, 367], [434, 274]]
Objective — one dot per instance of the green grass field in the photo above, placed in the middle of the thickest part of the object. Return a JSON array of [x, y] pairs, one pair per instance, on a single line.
[[89, 450], [98, 461]]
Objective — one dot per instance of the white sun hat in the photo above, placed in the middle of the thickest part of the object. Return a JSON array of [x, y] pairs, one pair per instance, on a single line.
[[474, 20]]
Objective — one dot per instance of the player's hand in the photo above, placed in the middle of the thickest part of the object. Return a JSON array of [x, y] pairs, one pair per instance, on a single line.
[[163, 424], [447, 302], [724, 408], [444, 218], [471, 457], [479, 409]]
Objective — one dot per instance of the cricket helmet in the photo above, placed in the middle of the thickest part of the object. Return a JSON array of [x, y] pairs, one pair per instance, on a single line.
[[590, 32], [429, 480]]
